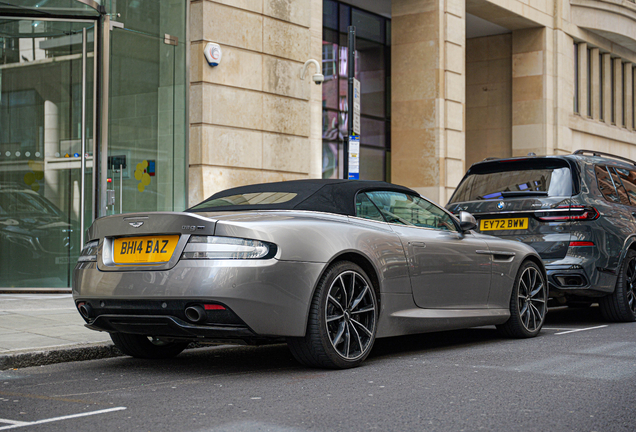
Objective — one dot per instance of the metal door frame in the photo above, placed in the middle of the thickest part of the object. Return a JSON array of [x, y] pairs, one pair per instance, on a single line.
[[96, 35]]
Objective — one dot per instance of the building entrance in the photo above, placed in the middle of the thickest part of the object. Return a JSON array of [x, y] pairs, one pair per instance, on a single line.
[[46, 125]]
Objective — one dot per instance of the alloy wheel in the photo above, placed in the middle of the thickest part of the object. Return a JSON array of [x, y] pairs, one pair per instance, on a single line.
[[631, 285], [532, 298], [350, 315]]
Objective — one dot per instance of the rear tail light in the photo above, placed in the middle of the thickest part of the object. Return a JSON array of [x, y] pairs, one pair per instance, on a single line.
[[568, 213], [581, 243], [213, 247]]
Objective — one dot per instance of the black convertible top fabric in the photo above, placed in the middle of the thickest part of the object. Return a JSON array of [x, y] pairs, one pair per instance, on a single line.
[[330, 195]]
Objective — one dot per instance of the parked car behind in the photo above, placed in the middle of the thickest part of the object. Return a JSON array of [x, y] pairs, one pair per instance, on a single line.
[[577, 211], [326, 265], [37, 239]]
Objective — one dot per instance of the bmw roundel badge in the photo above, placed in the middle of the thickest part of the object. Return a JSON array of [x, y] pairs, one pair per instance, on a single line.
[[500, 205]]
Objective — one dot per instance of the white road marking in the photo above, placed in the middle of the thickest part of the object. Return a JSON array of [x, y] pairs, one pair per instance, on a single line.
[[15, 424], [578, 330]]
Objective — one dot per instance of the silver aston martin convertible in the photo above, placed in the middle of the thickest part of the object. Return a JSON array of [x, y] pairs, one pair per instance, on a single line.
[[326, 265]]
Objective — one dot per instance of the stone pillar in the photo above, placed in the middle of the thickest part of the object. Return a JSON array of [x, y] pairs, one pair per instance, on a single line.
[[428, 95], [531, 108], [252, 119], [583, 95], [315, 99], [618, 91], [629, 95], [607, 88], [596, 84]]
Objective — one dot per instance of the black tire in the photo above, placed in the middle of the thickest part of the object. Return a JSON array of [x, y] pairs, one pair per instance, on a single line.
[[620, 306], [528, 303], [146, 347], [342, 320]]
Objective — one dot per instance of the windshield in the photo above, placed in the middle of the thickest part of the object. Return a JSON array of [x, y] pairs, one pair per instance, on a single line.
[[518, 183], [18, 203]]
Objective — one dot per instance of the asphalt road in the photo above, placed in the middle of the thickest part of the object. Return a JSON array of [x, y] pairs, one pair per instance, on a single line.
[[578, 375]]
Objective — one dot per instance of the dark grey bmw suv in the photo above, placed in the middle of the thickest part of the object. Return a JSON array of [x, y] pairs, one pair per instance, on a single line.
[[578, 211]]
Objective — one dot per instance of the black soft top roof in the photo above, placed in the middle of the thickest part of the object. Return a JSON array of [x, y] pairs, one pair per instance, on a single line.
[[330, 196]]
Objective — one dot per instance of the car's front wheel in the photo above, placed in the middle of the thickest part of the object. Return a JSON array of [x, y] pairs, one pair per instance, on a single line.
[[146, 347], [528, 303], [621, 304], [342, 320]]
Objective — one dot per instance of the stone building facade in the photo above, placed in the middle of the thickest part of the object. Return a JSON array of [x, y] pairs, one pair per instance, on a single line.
[[463, 80]]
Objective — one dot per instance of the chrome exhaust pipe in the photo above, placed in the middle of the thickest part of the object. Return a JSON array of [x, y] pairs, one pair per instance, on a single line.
[[195, 314], [85, 310]]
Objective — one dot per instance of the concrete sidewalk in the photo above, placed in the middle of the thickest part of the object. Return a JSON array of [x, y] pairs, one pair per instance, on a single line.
[[37, 329]]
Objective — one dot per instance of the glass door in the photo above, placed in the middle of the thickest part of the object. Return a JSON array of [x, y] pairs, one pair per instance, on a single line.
[[147, 121], [46, 148]]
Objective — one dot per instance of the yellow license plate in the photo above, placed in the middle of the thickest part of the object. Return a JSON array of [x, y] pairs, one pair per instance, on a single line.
[[503, 224], [145, 250]]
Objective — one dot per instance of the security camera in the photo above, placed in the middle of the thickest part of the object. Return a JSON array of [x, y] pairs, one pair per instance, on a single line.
[[318, 78]]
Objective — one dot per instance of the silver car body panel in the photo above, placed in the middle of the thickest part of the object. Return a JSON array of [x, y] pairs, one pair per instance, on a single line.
[[273, 296]]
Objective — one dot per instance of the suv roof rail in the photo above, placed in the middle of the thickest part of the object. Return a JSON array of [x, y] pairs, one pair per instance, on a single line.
[[598, 153]]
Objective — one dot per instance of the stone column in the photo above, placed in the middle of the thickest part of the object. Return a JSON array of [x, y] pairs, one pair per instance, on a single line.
[[629, 95], [531, 103], [428, 95], [596, 84], [607, 88], [618, 92], [583, 95]]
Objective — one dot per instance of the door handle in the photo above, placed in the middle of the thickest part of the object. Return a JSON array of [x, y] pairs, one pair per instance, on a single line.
[[418, 244]]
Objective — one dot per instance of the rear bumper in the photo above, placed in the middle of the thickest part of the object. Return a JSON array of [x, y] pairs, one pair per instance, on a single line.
[[580, 280], [167, 326], [270, 297]]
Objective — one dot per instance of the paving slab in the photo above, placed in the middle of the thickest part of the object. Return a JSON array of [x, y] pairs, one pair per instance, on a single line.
[[38, 329]]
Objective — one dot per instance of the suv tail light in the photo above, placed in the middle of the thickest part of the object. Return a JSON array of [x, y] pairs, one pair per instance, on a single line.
[[568, 213]]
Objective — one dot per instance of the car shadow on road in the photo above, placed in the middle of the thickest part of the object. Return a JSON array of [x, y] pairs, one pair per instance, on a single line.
[[276, 358], [574, 316]]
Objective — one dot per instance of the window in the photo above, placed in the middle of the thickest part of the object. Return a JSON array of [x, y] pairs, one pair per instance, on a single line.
[[601, 102], [576, 77], [372, 68], [628, 179], [328, 60], [623, 94], [247, 199], [539, 178], [403, 209], [366, 209], [612, 91], [589, 82], [606, 184]]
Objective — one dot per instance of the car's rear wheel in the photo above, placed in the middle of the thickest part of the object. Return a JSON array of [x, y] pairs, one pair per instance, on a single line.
[[621, 304], [342, 320], [528, 303], [146, 347]]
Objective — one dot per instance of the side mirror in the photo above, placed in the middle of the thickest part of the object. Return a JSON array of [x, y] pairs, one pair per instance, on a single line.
[[467, 221]]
